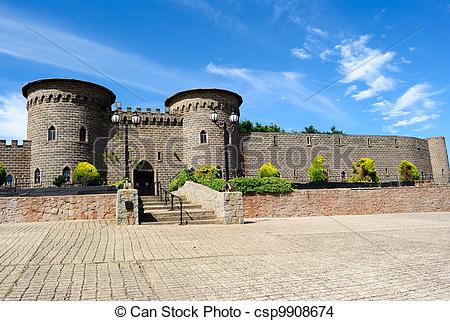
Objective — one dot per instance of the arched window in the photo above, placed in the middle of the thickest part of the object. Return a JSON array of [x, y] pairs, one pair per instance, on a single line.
[[51, 133], [83, 137], [9, 180], [37, 176], [203, 137], [66, 173]]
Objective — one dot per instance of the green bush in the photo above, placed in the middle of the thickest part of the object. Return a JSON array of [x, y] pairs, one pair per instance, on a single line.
[[59, 180], [217, 184], [364, 170], [317, 171], [261, 185], [207, 172], [408, 171], [86, 174], [2, 175], [119, 184], [181, 178], [268, 170]]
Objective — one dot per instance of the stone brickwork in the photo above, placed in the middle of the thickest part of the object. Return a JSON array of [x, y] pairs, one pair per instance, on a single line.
[[16, 159], [127, 207], [439, 159], [57, 208], [227, 206], [348, 202], [68, 105], [293, 153], [170, 140]]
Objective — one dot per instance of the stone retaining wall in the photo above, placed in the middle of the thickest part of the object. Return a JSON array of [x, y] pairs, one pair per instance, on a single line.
[[349, 202], [57, 208], [227, 206]]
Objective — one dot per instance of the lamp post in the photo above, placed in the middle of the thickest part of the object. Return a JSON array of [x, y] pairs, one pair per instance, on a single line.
[[117, 120], [234, 119]]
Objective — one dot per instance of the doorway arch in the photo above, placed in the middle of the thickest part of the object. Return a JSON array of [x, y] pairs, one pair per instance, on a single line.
[[144, 178]]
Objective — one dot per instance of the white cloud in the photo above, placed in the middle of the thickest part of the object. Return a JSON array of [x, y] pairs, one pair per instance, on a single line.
[[301, 53], [317, 31], [13, 116], [412, 49], [350, 89], [325, 54], [415, 120], [265, 89], [358, 62], [415, 106]]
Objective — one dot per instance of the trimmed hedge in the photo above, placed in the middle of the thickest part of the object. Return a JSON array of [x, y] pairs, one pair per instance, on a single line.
[[119, 184], [207, 172], [268, 170], [408, 171], [364, 170], [86, 174], [2, 175], [181, 178], [248, 185], [317, 171], [59, 180], [206, 176]]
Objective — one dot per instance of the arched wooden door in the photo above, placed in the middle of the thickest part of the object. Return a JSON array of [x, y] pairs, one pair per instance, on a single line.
[[144, 178]]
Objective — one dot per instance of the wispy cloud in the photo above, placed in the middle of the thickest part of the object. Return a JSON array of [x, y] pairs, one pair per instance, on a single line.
[[269, 89], [13, 116], [317, 31], [353, 55], [301, 53], [127, 68], [414, 106]]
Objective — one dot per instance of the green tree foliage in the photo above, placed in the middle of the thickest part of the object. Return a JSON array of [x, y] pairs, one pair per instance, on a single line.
[[2, 175], [207, 172], [317, 171], [261, 185], [182, 177], [312, 130], [86, 174], [59, 180], [408, 171], [268, 170], [364, 170], [119, 184], [246, 126]]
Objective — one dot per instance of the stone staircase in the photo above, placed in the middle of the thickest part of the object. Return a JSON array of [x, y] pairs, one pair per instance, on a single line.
[[155, 211]]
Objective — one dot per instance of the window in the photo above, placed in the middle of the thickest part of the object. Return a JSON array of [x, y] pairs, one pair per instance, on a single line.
[[369, 143], [9, 179], [275, 141], [203, 139], [52, 133], [308, 140], [37, 176], [339, 141], [395, 143], [160, 156], [83, 136], [66, 173]]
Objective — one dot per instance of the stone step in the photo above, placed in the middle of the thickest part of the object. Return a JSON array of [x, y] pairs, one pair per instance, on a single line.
[[175, 216], [150, 207], [194, 222]]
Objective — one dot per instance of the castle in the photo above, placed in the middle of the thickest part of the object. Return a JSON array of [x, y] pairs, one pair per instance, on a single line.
[[69, 121]]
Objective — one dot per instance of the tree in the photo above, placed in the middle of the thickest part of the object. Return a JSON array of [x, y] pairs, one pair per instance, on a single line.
[[86, 174], [364, 170], [268, 170], [245, 126], [317, 171], [2, 175], [59, 180], [408, 171], [333, 130], [310, 130]]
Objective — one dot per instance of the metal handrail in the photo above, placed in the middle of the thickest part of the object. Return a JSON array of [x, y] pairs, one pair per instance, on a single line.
[[165, 195]]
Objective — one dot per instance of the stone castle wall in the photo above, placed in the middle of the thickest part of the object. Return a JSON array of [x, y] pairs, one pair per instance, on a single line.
[[293, 153], [68, 106], [346, 201], [16, 159], [439, 159]]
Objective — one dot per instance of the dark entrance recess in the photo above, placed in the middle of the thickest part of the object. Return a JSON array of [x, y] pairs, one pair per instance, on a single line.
[[144, 178]]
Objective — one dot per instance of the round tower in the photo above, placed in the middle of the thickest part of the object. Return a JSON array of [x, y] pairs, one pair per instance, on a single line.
[[203, 141], [66, 118]]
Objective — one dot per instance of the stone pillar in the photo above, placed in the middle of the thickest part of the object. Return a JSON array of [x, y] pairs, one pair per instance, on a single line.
[[127, 207], [233, 208]]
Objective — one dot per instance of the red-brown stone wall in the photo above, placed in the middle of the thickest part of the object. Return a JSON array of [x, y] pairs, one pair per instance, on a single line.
[[349, 202], [57, 208]]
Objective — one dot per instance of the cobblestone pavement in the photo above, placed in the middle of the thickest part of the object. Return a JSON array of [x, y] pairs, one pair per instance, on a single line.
[[396, 257]]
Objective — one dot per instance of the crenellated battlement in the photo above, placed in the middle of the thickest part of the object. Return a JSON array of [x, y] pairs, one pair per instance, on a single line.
[[58, 96], [149, 117], [15, 144]]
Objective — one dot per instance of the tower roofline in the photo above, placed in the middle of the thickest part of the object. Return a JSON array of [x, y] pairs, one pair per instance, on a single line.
[[169, 101], [31, 84]]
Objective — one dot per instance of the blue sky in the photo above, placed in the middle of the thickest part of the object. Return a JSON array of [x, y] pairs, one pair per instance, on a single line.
[[387, 61]]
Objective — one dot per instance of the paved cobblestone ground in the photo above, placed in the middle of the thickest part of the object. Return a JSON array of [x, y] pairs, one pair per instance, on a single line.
[[396, 257]]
